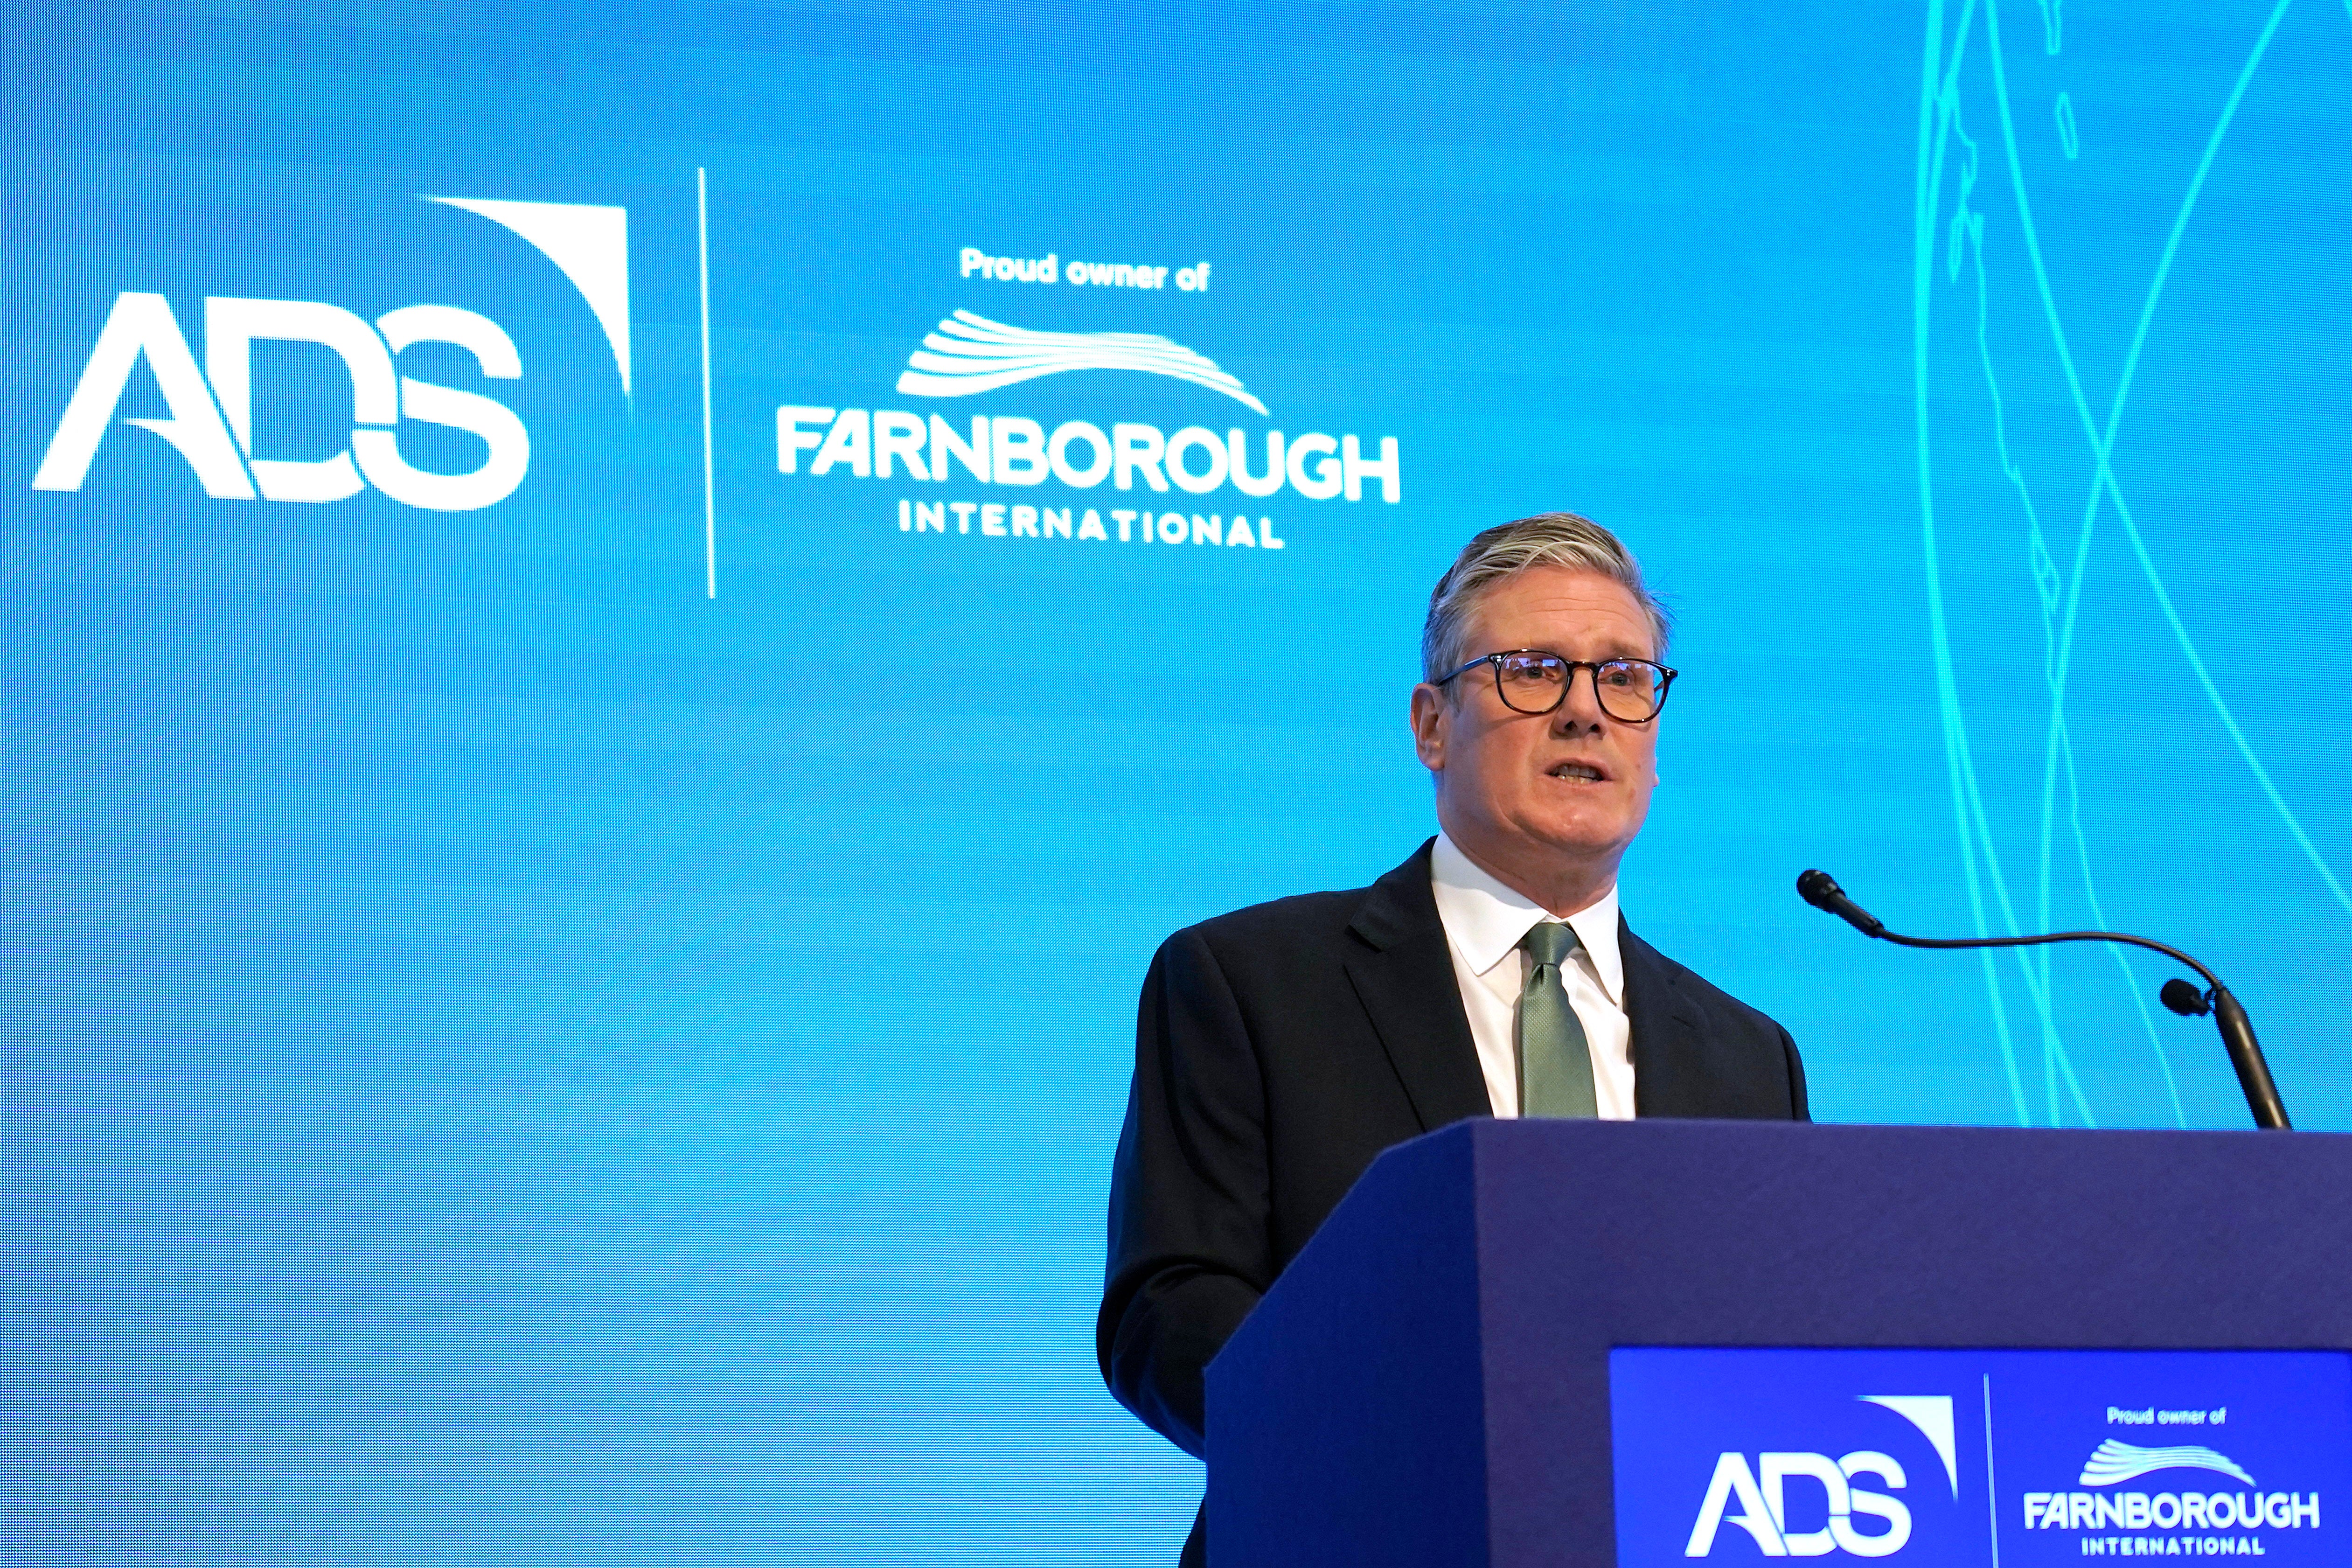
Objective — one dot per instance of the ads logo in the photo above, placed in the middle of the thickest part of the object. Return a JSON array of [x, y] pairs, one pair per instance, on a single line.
[[210, 411], [1767, 1507]]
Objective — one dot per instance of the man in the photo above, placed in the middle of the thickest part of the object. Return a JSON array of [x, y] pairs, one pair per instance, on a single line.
[[1280, 1048]]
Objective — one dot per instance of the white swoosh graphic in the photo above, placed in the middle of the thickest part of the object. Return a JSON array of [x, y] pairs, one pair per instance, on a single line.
[[1932, 1413], [2112, 1461], [971, 354]]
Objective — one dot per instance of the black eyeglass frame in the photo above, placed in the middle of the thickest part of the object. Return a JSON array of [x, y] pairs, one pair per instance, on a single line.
[[1665, 681]]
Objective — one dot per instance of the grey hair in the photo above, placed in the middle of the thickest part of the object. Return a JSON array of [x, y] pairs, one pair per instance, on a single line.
[[1502, 552]]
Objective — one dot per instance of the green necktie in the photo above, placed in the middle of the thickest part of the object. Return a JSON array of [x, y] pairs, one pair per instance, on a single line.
[[1555, 1065]]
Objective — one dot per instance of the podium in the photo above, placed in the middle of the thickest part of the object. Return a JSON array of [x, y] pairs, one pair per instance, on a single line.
[[1431, 1382]]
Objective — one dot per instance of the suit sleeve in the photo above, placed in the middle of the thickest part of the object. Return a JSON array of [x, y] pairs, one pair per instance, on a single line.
[[1190, 1254], [1799, 1111]]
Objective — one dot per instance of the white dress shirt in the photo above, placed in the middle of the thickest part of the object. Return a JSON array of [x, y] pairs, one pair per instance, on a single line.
[[1484, 923]]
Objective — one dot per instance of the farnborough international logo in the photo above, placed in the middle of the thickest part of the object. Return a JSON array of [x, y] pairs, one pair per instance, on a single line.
[[210, 421], [1220, 469], [2211, 1522]]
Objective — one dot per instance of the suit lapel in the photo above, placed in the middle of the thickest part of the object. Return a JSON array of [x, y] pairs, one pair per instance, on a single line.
[[1403, 974], [1665, 1030]]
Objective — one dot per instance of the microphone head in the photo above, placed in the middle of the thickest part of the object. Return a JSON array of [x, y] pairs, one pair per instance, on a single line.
[[2184, 999], [1817, 888]]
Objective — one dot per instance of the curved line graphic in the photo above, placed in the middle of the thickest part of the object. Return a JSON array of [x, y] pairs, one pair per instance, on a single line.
[[929, 358], [2102, 444], [1932, 1413], [589, 244], [979, 329], [969, 354], [1940, 122], [2112, 1462], [2106, 476], [1936, 87]]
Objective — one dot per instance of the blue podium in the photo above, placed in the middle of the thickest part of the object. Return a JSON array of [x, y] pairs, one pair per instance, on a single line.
[[1599, 1343]]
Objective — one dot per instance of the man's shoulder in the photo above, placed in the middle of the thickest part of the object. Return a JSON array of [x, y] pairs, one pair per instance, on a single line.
[[1365, 917], [1701, 1051], [1302, 916], [1697, 991]]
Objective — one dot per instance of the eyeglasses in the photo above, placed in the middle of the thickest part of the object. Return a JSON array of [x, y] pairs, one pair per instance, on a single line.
[[1530, 681]]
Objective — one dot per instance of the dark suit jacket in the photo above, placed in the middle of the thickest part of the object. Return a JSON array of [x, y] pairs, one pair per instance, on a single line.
[[1280, 1048]]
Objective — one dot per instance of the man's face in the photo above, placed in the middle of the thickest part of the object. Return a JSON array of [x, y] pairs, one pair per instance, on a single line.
[[1572, 787]]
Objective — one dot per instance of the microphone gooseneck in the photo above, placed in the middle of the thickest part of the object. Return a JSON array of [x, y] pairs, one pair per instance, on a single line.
[[1820, 889]]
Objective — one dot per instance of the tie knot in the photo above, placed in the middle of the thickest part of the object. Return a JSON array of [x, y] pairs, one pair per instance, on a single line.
[[1549, 941]]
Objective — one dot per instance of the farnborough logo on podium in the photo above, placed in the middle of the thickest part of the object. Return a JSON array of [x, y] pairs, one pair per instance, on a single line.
[[1991, 1457]]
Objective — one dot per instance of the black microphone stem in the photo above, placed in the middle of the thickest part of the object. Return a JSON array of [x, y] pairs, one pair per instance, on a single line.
[[2254, 1072], [2229, 1015]]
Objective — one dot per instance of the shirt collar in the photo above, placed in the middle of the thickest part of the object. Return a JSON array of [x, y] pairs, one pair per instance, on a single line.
[[1485, 919]]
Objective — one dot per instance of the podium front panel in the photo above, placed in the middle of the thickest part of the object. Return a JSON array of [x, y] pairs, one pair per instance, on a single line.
[[1432, 1379], [1946, 1458]]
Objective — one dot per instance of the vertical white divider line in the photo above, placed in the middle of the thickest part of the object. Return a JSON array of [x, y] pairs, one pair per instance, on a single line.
[[709, 496], [1992, 1492]]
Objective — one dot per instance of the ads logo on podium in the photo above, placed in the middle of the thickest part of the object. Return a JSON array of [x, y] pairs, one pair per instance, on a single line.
[[1762, 1493], [2018, 1459], [210, 411]]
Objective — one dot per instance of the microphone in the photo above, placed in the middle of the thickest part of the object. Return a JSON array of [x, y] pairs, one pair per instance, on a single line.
[[1820, 889], [2184, 999]]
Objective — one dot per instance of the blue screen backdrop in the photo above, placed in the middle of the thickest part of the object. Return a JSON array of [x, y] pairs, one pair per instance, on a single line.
[[573, 920]]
